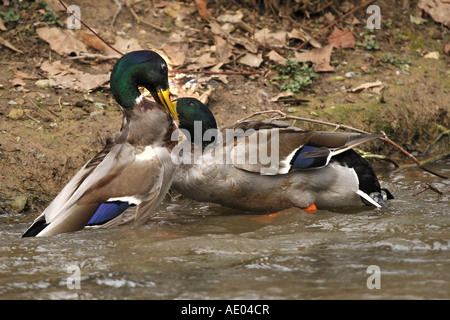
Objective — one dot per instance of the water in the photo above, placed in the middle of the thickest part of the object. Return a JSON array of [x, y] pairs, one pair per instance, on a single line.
[[200, 251]]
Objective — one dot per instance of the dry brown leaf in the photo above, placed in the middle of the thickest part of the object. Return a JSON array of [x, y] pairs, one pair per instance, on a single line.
[[61, 41], [176, 53], [275, 56], [9, 45], [65, 77], [281, 95], [252, 60], [319, 57], [267, 38], [376, 87], [304, 36], [202, 9], [125, 45], [341, 38], [2, 26], [92, 41], [447, 47], [439, 10], [204, 61], [223, 51], [231, 18], [23, 75]]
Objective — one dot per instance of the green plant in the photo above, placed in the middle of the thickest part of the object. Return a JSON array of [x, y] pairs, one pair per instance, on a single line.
[[299, 74], [10, 16], [368, 40], [398, 62]]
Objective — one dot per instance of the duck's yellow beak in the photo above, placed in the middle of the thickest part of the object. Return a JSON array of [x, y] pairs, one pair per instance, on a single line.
[[164, 97]]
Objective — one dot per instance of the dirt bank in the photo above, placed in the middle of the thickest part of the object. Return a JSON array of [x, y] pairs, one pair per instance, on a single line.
[[47, 131]]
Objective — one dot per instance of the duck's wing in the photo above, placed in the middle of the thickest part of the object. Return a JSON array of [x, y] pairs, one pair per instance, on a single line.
[[123, 172], [279, 149]]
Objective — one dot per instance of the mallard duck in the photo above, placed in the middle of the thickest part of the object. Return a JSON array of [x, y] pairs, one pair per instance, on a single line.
[[307, 169], [135, 168]]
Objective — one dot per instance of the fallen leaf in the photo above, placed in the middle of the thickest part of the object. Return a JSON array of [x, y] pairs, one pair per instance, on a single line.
[[23, 75], [447, 47], [126, 45], [251, 60], [61, 41], [231, 18], [304, 36], [376, 87], [267, 38], [204, 61], [202, 9], [439, 10], [341, 38], [65, 77], [2, 26], [281, 95], [223, 51], [92, 41], [319, 57], [275, 56], [9, 45], [176, 53]]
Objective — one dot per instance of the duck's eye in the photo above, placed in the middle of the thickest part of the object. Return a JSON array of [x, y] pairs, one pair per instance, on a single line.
[[163, 67]]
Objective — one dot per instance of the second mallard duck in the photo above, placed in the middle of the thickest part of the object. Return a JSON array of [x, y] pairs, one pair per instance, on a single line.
[[267, 166], [135, 168]]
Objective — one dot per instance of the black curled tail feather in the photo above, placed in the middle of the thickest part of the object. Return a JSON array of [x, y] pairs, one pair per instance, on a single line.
[[368, 181]]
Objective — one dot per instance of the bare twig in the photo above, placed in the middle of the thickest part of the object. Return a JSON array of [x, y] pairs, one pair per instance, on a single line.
[[139, 20], [429, 186], [90, 29], [119, 8], [218, 72], [409, 155], [42, 111]]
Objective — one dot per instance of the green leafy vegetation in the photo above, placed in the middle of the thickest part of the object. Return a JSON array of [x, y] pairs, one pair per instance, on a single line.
[[398, 62], [294, 75], [368, 42]]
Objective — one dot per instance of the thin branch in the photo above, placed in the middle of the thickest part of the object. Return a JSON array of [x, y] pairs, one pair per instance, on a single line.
[[218, 72], [139, 20], [409, 155], [90, 29]]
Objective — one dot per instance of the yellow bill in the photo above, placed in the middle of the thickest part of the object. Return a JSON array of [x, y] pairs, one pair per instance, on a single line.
[[164, 97]]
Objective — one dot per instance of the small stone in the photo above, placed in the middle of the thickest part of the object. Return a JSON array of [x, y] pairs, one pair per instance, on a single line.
[[432, 55], [17, 204], [350, 74], [96, 113], [16, 114], [42, 83], [99, 105]]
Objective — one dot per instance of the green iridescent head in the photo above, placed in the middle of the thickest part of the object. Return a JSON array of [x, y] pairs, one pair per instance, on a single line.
[[192, 113], [142, 68]]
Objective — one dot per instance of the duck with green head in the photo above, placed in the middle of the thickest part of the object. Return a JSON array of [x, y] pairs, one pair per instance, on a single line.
[[308, 169], [134, 170]]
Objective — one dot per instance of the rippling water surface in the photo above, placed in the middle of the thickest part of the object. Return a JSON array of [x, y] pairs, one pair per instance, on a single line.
[[202, 251]]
